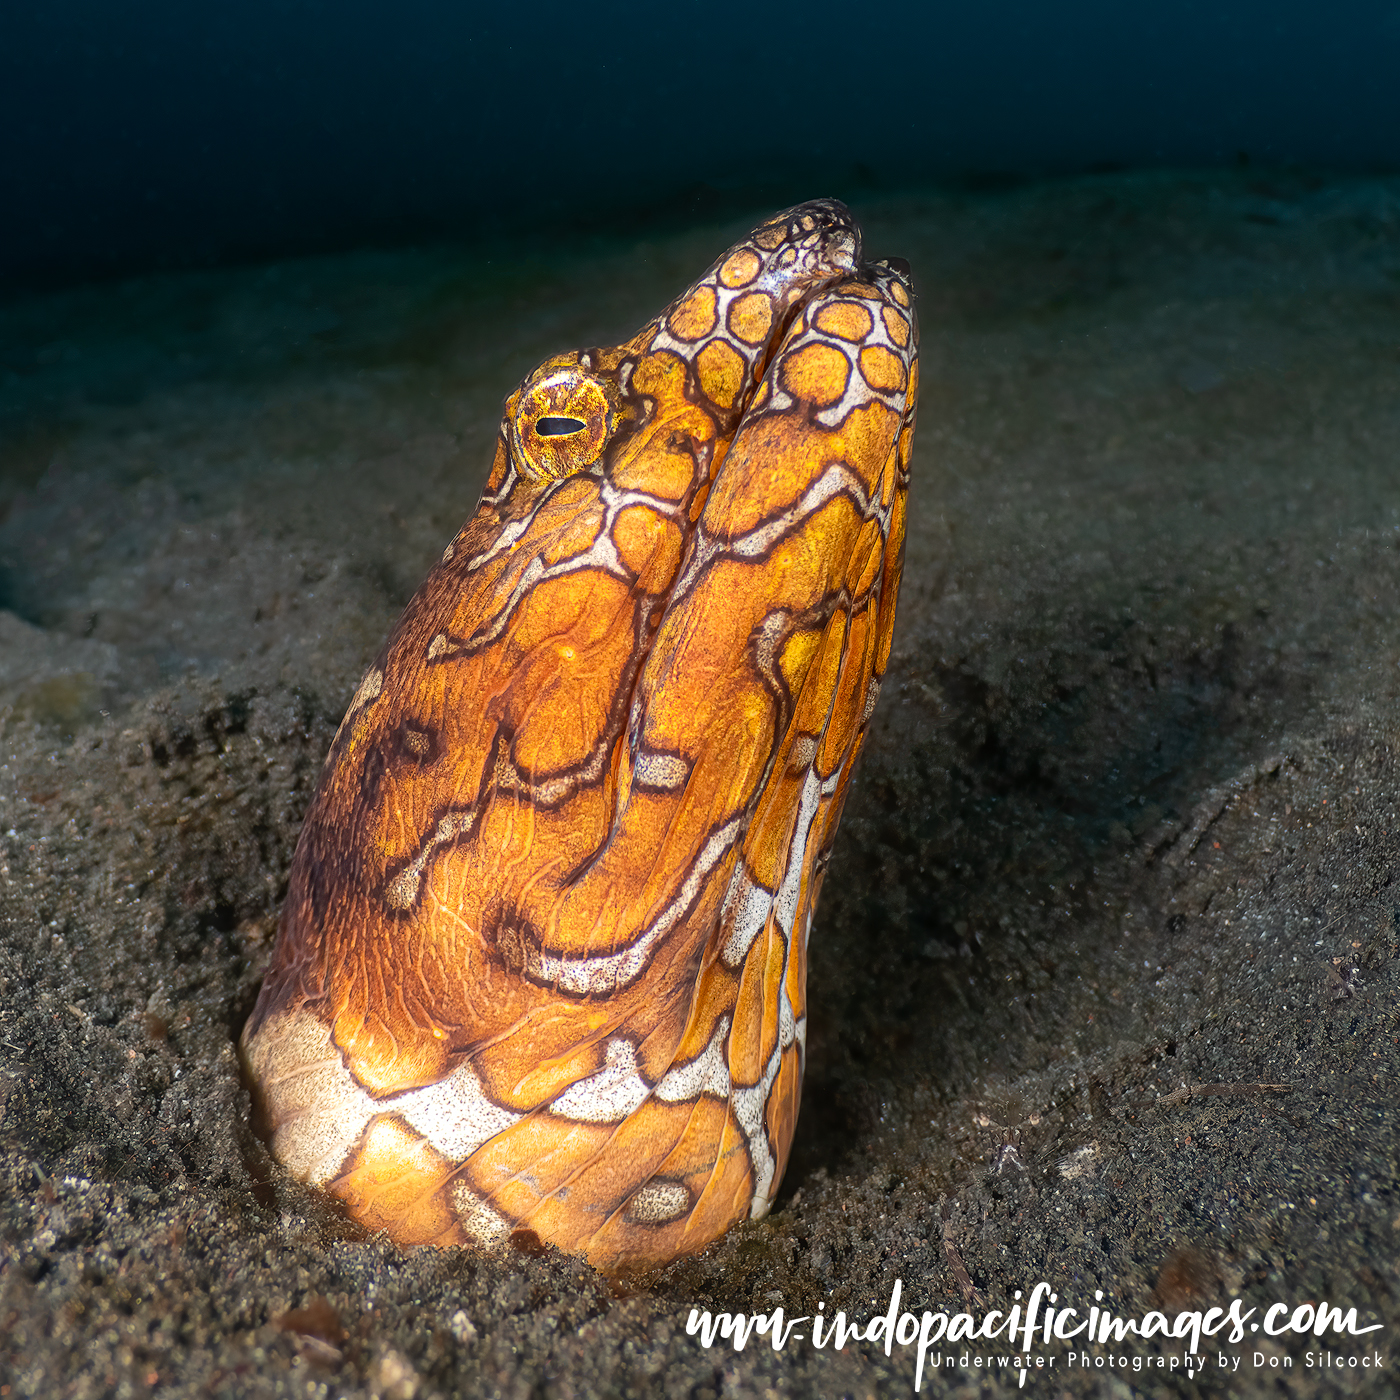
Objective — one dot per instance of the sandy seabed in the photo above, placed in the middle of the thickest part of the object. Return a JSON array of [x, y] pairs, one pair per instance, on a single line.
[[1104, 985]]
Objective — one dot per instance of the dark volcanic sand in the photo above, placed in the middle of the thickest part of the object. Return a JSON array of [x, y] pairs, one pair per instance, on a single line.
[[1126, 823]]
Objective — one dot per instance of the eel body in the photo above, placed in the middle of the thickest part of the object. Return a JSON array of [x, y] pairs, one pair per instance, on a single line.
[[542, 961]]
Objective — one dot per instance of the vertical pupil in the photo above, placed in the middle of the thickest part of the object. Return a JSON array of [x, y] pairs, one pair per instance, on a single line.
[[558, 427]]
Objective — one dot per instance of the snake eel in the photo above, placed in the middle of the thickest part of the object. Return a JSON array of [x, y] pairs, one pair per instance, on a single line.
[[542, 961]]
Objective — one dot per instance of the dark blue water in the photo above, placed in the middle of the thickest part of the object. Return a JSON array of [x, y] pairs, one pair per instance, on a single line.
[[163, 133]]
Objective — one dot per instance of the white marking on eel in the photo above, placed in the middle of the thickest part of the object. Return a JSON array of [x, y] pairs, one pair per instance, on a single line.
[[872, 694], [611, 1094], [454, 1114], [609, 972], [751, 904], [659, 1202], [790, 891], [666, 771], [368, 692], [317, 1110], [475, 1216], [837, 479], [707, 1073], [402, 891], [750, 1103], [369, 689]]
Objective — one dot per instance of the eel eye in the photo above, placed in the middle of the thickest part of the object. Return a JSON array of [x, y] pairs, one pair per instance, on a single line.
[[561, 419]]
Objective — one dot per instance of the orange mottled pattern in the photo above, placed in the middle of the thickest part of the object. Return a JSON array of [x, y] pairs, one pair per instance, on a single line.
[[542, 962]]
